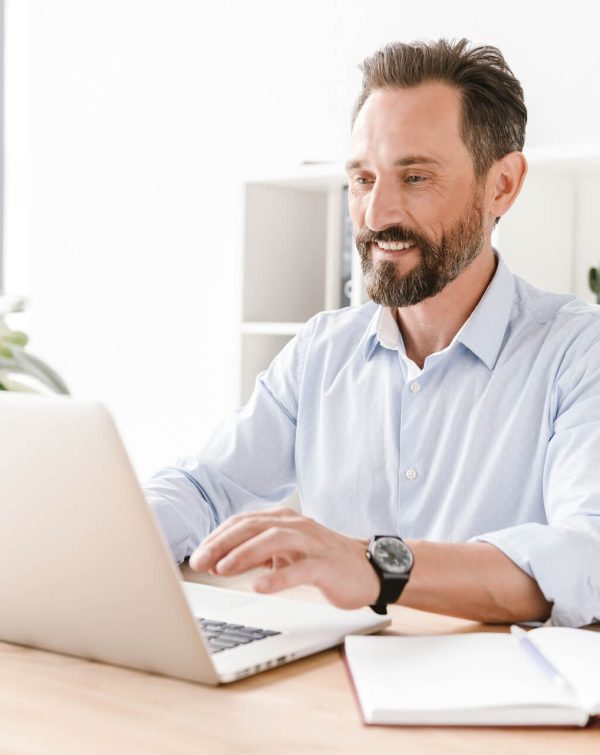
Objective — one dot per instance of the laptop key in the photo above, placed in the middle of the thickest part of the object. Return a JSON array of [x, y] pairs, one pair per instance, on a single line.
[[249, 630], [255, 634], [239, 639], [212, 625], [222, 644]]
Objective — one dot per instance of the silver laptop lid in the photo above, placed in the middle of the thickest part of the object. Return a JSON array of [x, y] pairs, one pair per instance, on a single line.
[[83, 567]]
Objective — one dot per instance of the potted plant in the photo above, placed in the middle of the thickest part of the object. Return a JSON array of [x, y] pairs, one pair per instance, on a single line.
[[594, 281], [20, 370]]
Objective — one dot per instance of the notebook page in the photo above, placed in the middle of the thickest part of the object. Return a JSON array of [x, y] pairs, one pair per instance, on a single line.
[[445, 673], [576, 654]]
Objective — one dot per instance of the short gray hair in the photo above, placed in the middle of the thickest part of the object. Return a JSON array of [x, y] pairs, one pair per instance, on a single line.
[[494, 115]]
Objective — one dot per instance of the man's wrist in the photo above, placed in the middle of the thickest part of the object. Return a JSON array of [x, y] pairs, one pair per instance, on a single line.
[[370, 580], [392, 562]]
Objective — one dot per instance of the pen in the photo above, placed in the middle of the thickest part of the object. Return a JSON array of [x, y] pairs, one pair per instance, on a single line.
[[540, 659]]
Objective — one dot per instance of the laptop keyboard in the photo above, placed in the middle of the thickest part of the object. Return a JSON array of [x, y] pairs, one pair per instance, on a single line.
[[222, 636]]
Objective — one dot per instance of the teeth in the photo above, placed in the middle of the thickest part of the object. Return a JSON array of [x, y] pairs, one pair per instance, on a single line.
[[394, 246]]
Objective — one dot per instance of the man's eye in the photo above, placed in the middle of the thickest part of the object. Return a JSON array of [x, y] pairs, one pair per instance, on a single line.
[[415, 179], [362, 180]]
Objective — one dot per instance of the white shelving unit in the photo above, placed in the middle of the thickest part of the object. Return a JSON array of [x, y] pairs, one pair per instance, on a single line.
[[549, 236], [292, 244], [291, 261]]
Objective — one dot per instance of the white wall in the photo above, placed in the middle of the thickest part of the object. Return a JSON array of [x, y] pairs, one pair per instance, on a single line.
[[130, 124]]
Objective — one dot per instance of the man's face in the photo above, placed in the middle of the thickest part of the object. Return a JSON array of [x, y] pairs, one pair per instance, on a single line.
[[416, 207]]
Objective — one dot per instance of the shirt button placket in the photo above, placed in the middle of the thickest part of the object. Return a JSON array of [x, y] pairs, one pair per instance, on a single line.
[[410, 472], [410, 460]]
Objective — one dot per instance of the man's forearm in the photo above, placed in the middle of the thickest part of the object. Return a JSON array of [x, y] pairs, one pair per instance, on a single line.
[[474, 581], [471, 580]]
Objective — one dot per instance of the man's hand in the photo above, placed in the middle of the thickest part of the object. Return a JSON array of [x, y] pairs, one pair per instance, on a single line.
[[297, 550]]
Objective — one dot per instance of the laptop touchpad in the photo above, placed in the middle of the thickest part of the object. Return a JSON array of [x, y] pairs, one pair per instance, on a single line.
[[210, 602]]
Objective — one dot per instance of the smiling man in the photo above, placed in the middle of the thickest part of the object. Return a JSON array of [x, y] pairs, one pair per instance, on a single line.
[[444, 436]]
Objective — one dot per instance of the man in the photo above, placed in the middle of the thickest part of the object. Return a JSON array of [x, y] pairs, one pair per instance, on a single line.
[[458, 411]]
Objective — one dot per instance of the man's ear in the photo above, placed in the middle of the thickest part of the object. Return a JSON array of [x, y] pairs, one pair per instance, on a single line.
[[505, 179]]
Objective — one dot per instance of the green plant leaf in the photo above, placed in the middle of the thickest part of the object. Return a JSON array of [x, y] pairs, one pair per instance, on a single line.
[[33, 366], [19, 370], [17, 337]]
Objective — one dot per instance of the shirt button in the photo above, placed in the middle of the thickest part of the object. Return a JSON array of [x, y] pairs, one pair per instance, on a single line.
[[415, 387], [411, 473]]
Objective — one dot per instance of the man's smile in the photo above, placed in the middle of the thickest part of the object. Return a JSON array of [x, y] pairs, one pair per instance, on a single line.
[[393, 249]]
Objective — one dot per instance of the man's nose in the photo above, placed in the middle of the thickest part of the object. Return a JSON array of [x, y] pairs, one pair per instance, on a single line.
[[384, 207]]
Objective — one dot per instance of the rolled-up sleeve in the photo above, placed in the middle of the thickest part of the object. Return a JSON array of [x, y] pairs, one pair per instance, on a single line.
[[563, 556], [247, 464]]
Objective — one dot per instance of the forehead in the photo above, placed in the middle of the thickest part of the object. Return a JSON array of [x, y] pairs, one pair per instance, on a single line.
[[422, 120]]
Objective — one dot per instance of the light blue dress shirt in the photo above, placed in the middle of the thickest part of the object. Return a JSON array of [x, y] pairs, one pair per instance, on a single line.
[[497, 439]]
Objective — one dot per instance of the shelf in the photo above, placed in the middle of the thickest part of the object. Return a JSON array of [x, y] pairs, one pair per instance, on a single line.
[[271, 328], [311, 177], [575, 159]]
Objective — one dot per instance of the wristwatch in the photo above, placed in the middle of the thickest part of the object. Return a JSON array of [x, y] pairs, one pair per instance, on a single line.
[[393, 561]]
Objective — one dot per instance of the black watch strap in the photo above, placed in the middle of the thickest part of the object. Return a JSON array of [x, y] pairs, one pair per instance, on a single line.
[[391, 582], [391, 590]]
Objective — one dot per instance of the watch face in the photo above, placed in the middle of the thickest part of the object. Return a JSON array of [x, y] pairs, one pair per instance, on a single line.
[[392, 555]]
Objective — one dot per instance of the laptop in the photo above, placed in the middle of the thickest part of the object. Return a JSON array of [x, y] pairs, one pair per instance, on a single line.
[[85, 569]]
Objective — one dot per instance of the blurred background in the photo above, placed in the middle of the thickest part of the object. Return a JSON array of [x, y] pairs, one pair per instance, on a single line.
[[130, 127]]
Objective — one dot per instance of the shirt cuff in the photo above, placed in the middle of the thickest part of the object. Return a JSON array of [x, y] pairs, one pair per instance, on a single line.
[[172, 526], [564, 561]]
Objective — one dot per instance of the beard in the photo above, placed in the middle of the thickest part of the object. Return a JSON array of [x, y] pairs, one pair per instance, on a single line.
[[440, 263]]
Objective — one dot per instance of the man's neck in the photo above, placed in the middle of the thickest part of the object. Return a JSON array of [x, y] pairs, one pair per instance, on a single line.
[[431, 325]]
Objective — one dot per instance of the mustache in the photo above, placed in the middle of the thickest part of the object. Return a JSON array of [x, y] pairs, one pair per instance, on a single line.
[[396, 233]]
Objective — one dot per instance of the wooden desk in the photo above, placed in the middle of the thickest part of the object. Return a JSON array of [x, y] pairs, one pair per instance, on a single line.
[[56, 704]]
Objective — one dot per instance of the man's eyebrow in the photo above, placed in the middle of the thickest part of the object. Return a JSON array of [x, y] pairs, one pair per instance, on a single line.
[[401, 162], [416, 160]]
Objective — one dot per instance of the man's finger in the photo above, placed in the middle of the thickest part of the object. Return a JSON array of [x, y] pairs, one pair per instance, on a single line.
[[273, 543], [209, 553], [212, 550], [236, 519]]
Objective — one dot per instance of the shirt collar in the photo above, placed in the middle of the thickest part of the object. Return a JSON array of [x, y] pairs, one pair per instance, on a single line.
[[371, 337], [483, 333]]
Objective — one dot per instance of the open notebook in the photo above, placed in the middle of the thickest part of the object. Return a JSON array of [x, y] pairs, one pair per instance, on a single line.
[[477, 679]]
